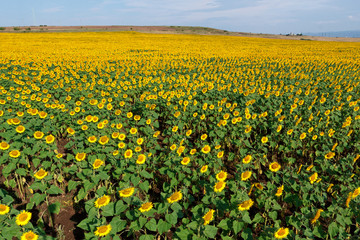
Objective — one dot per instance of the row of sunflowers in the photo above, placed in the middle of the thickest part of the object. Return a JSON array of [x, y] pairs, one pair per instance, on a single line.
[[179, 136]]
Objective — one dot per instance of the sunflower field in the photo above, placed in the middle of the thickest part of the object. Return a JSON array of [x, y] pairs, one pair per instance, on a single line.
[[154, 136]]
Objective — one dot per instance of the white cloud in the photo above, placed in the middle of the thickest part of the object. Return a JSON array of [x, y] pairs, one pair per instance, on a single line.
[[52, 10], [175, 5]]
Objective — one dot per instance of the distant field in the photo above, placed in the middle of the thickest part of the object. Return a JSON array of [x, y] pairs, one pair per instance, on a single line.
[[169, 30], [129, 135]]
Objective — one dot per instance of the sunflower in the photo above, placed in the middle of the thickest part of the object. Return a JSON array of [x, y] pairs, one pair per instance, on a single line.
[[219, 186], [140, 141], [221, 176], [259, 186], [279, 191], [329, 155], [145, 207], [102, 201], [247, 159], [281, 233], [174, 129], [80, 156], [220, 154], [70, 131], [206, 149], [128, 153], [122, 137], [356, 193], [133, 130], [49, 139], [264, 139], [127, 192], [20, 129], [185, 161], [129, 115], [245, 175], [317, 216], [246, 205], [4, 209], [97, 163], [208, 217], [274, 167], [92, 139], [40, 174], [173, 147], [4, 146], [104, 140], [148, 121], [313, 177], [23, 218], [30, 235], [204, 137], [121, 145], [302, 136], [14, 153], [175, 197], [188, 132], [193, 151], [103, 230], [204, 169], [38, 135], [141, 159]]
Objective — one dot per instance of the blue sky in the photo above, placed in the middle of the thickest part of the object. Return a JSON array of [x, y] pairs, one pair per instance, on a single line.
[[257, 16]]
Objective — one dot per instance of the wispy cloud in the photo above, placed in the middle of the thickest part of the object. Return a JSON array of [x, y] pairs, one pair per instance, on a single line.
[[52, 10], [175, 5]]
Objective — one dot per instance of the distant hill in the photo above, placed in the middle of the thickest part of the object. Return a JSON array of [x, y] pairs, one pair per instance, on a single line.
[[349, 34], [177, 30]]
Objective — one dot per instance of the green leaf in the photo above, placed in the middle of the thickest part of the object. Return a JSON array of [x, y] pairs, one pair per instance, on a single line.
[[117, 224], [8, 169], [146, 237], [257, 218], [145, 174], [144, 186], [247, 234], [193, 225], [246, 218], [183, 234], [273, 215], [171, 218], [38, 198], [108, 210], [21, 171], [142, 221], [72, 185], [225, 224], [84, 224], [238, 226], [176, 207], [54, 208], [82, 193], [54, 190], [163, 226], [151, 225], [120, 207], [319, 232], [333, 229], [210, 231]]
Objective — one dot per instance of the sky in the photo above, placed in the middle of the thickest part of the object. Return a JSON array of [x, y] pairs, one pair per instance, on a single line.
[[255, 16]]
